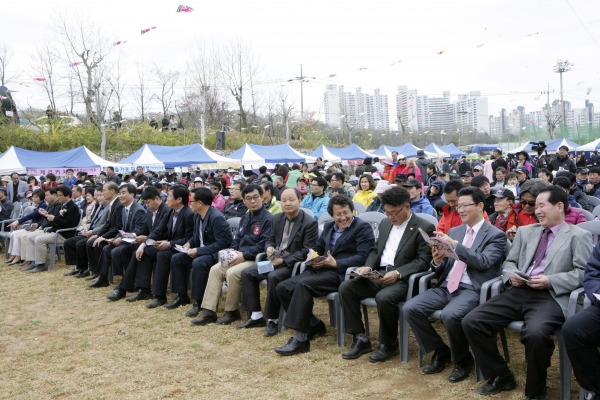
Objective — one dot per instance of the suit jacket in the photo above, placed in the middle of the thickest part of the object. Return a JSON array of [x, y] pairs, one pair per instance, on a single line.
[[565, 261], [111, 227], [184, 227], [483, 259], [351, 249], [216, 234], [136, 222], [161, 212], [303, 236], [69, 219], [53, 209], [413, 254], [21, 190], [591, 278], [101, 221]]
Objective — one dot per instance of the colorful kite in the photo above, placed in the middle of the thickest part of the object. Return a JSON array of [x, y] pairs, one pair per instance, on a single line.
[[148, 30], [588, 91], [74, 64], [441, 52], [39, 79], [447, 109], [119, 42], [361, 68], [184, 9], [533, 34], [332, 75]]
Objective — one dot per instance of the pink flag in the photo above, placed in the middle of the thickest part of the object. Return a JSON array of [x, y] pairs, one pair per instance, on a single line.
[[588, 91], [447, 109], [148, 29], [39, 79], [184, 9]]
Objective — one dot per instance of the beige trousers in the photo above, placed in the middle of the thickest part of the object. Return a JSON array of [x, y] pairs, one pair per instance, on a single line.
[[233, 276], [23, 244]]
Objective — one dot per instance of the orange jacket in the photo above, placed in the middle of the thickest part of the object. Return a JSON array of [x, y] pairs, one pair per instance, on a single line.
[[451, 219]]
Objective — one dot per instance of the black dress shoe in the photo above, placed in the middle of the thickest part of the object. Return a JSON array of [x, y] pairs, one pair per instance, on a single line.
[[438, 362], [98, 283], [194, 311], [229, 317], [178, 302], [384, 352], [83, 274], [27, 268], [72, 272], [541, 396], [157, 302], [293, 346], [205, 318], [252, 323], [270, 329], [116, 295], [92, 277], [360, 346], [498, 384], [141, 294], [461, 370], [39, 268], [319, 329]]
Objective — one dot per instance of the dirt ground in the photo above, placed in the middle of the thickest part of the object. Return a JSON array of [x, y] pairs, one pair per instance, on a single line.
[[60, 339]]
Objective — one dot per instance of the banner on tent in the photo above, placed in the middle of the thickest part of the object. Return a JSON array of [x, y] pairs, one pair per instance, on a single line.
[[126, 170], [61, 171], [219, 165]]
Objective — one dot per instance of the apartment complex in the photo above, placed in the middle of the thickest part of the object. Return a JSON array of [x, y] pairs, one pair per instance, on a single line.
[[356, 110]]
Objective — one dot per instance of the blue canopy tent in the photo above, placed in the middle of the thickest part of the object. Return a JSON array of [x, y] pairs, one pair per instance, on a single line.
[[182, 156], [350, 153], [20, 161], [453, 150], [253, 156], [483, 147]]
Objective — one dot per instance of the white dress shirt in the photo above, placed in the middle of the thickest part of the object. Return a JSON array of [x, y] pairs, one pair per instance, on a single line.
[[392, 243]]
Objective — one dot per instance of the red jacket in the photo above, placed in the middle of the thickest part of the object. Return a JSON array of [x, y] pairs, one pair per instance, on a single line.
[[451, 219]]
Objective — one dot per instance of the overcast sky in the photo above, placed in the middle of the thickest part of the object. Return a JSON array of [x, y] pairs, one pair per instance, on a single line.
[[334, 37]]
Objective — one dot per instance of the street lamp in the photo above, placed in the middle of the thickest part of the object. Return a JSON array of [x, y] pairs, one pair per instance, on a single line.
[[560, 67]]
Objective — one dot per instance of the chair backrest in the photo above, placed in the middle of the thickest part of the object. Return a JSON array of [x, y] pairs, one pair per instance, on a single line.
[[309, 212], [507, 249], [373, 218], [28, 210], [324, 218], [596, 211], [593, 200], [588, 215], [17, 211], [360, 207], [593, 227], [234, 224], [428, 218]]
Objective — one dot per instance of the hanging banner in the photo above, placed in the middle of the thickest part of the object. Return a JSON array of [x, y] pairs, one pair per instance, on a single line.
[[61, 171]]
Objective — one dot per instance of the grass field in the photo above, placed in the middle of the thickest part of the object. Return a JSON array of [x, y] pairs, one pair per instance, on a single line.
[[60, 339]]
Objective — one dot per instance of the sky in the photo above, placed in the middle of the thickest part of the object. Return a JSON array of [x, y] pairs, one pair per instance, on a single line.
[[521, 42]]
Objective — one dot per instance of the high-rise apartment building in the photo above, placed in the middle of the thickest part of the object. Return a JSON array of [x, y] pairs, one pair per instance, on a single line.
[[351, 110]]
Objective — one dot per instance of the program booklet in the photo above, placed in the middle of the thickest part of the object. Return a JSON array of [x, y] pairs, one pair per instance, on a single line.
[[518, 274], [373, 275], [278, 253], [440, 244]]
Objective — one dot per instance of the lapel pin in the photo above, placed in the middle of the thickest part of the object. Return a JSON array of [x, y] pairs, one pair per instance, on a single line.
[[411, 229]]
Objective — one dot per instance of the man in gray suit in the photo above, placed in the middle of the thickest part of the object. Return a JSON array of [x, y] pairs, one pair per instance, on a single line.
[[16, 188], [400, 251], [480, 248], [553, 254]]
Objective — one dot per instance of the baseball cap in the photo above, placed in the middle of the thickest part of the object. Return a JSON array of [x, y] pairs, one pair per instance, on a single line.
[[198, 179], [376, 176], [328, 164], [478, 168], [400, 178], [232, 170], [521, 170], [468, 173], [28, 194], [413, 183], [387, 161], [502, 193]]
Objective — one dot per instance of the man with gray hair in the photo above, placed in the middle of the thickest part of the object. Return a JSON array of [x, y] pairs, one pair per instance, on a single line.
[[280, 185]]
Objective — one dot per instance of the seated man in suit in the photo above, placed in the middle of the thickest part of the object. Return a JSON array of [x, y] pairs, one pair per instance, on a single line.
[[212, 234], [68, 217], [255, 228], [345, 242], [400, 251], [293, 231], [177, 227], [581, 332], [134, 221], [553, 254], [480, 248], [157, 209]]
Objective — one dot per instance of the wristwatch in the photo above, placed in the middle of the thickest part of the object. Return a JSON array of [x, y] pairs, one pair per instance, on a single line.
[[399, 275]]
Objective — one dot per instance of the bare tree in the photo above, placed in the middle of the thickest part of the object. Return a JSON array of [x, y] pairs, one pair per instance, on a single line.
[[117, 83], [44, 62], [141, 93], [287, 106], [5, 62], [552, 121], [166, 81], [237, 65]]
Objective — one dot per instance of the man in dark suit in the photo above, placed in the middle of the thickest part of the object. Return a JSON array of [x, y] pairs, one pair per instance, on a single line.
[[211, 235], [345, 242], [125, 260], [109, 230], [177, 227], [400, 252], [480, 248], [296, 233], [68, 217], [553, 254], [134, 221]]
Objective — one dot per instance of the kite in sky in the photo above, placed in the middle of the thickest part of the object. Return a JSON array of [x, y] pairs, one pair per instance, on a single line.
[[119, 42], [588, 91], [480, 45], [148, 29], [441, 52], [533, 34], [580, 83], [447, 109], [184, 9], [21, 84], [395, 62], [361, 68], [537, 97], [39, 79], [74, 64], [332, 75]]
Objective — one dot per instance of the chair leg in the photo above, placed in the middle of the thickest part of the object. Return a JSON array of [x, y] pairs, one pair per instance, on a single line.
[[280, 326], [52, 251], [505, 346], [6, 244], [110, 274], [332, 313], [366, 314], [404, 332], [341, 334], [565, 368], [420, 361]]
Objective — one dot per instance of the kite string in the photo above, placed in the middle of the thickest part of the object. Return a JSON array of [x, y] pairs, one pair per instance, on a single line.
[[582, 24]]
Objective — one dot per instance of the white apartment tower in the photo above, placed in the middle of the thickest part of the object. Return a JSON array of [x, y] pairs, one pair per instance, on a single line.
[[359, 110]]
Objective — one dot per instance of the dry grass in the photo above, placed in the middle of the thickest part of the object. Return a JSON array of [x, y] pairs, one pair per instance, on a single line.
[[60, 339]]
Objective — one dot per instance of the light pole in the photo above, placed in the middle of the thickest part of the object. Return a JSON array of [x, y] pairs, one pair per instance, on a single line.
[[560, 67]]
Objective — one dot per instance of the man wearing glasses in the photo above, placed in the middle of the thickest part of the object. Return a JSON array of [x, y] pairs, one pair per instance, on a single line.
[[337, 182], [255, 229], [400, 251], [316, 201], [480, 249]]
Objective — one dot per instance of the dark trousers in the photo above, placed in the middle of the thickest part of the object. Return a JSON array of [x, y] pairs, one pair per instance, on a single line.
[[542, 316], [296, 295], [162, 270], [94, 254], [251, 291], [454, 307], [107, 256], [75, 252], [581, 334], [387, 297], [180, 272], [129, 265]]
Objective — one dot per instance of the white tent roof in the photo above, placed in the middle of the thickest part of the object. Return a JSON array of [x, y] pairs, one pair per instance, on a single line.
[[595, 145]]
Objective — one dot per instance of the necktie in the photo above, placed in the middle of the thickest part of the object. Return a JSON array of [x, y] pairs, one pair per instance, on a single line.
[[542, 247], [126, 219], [287, 229], [153, 217], [459, 267], [175, 216]]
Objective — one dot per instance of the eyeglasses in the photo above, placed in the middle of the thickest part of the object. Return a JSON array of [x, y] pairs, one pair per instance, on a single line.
[[393, 214], [314, 184], [461, 206], [252, 198], [528, 203]]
